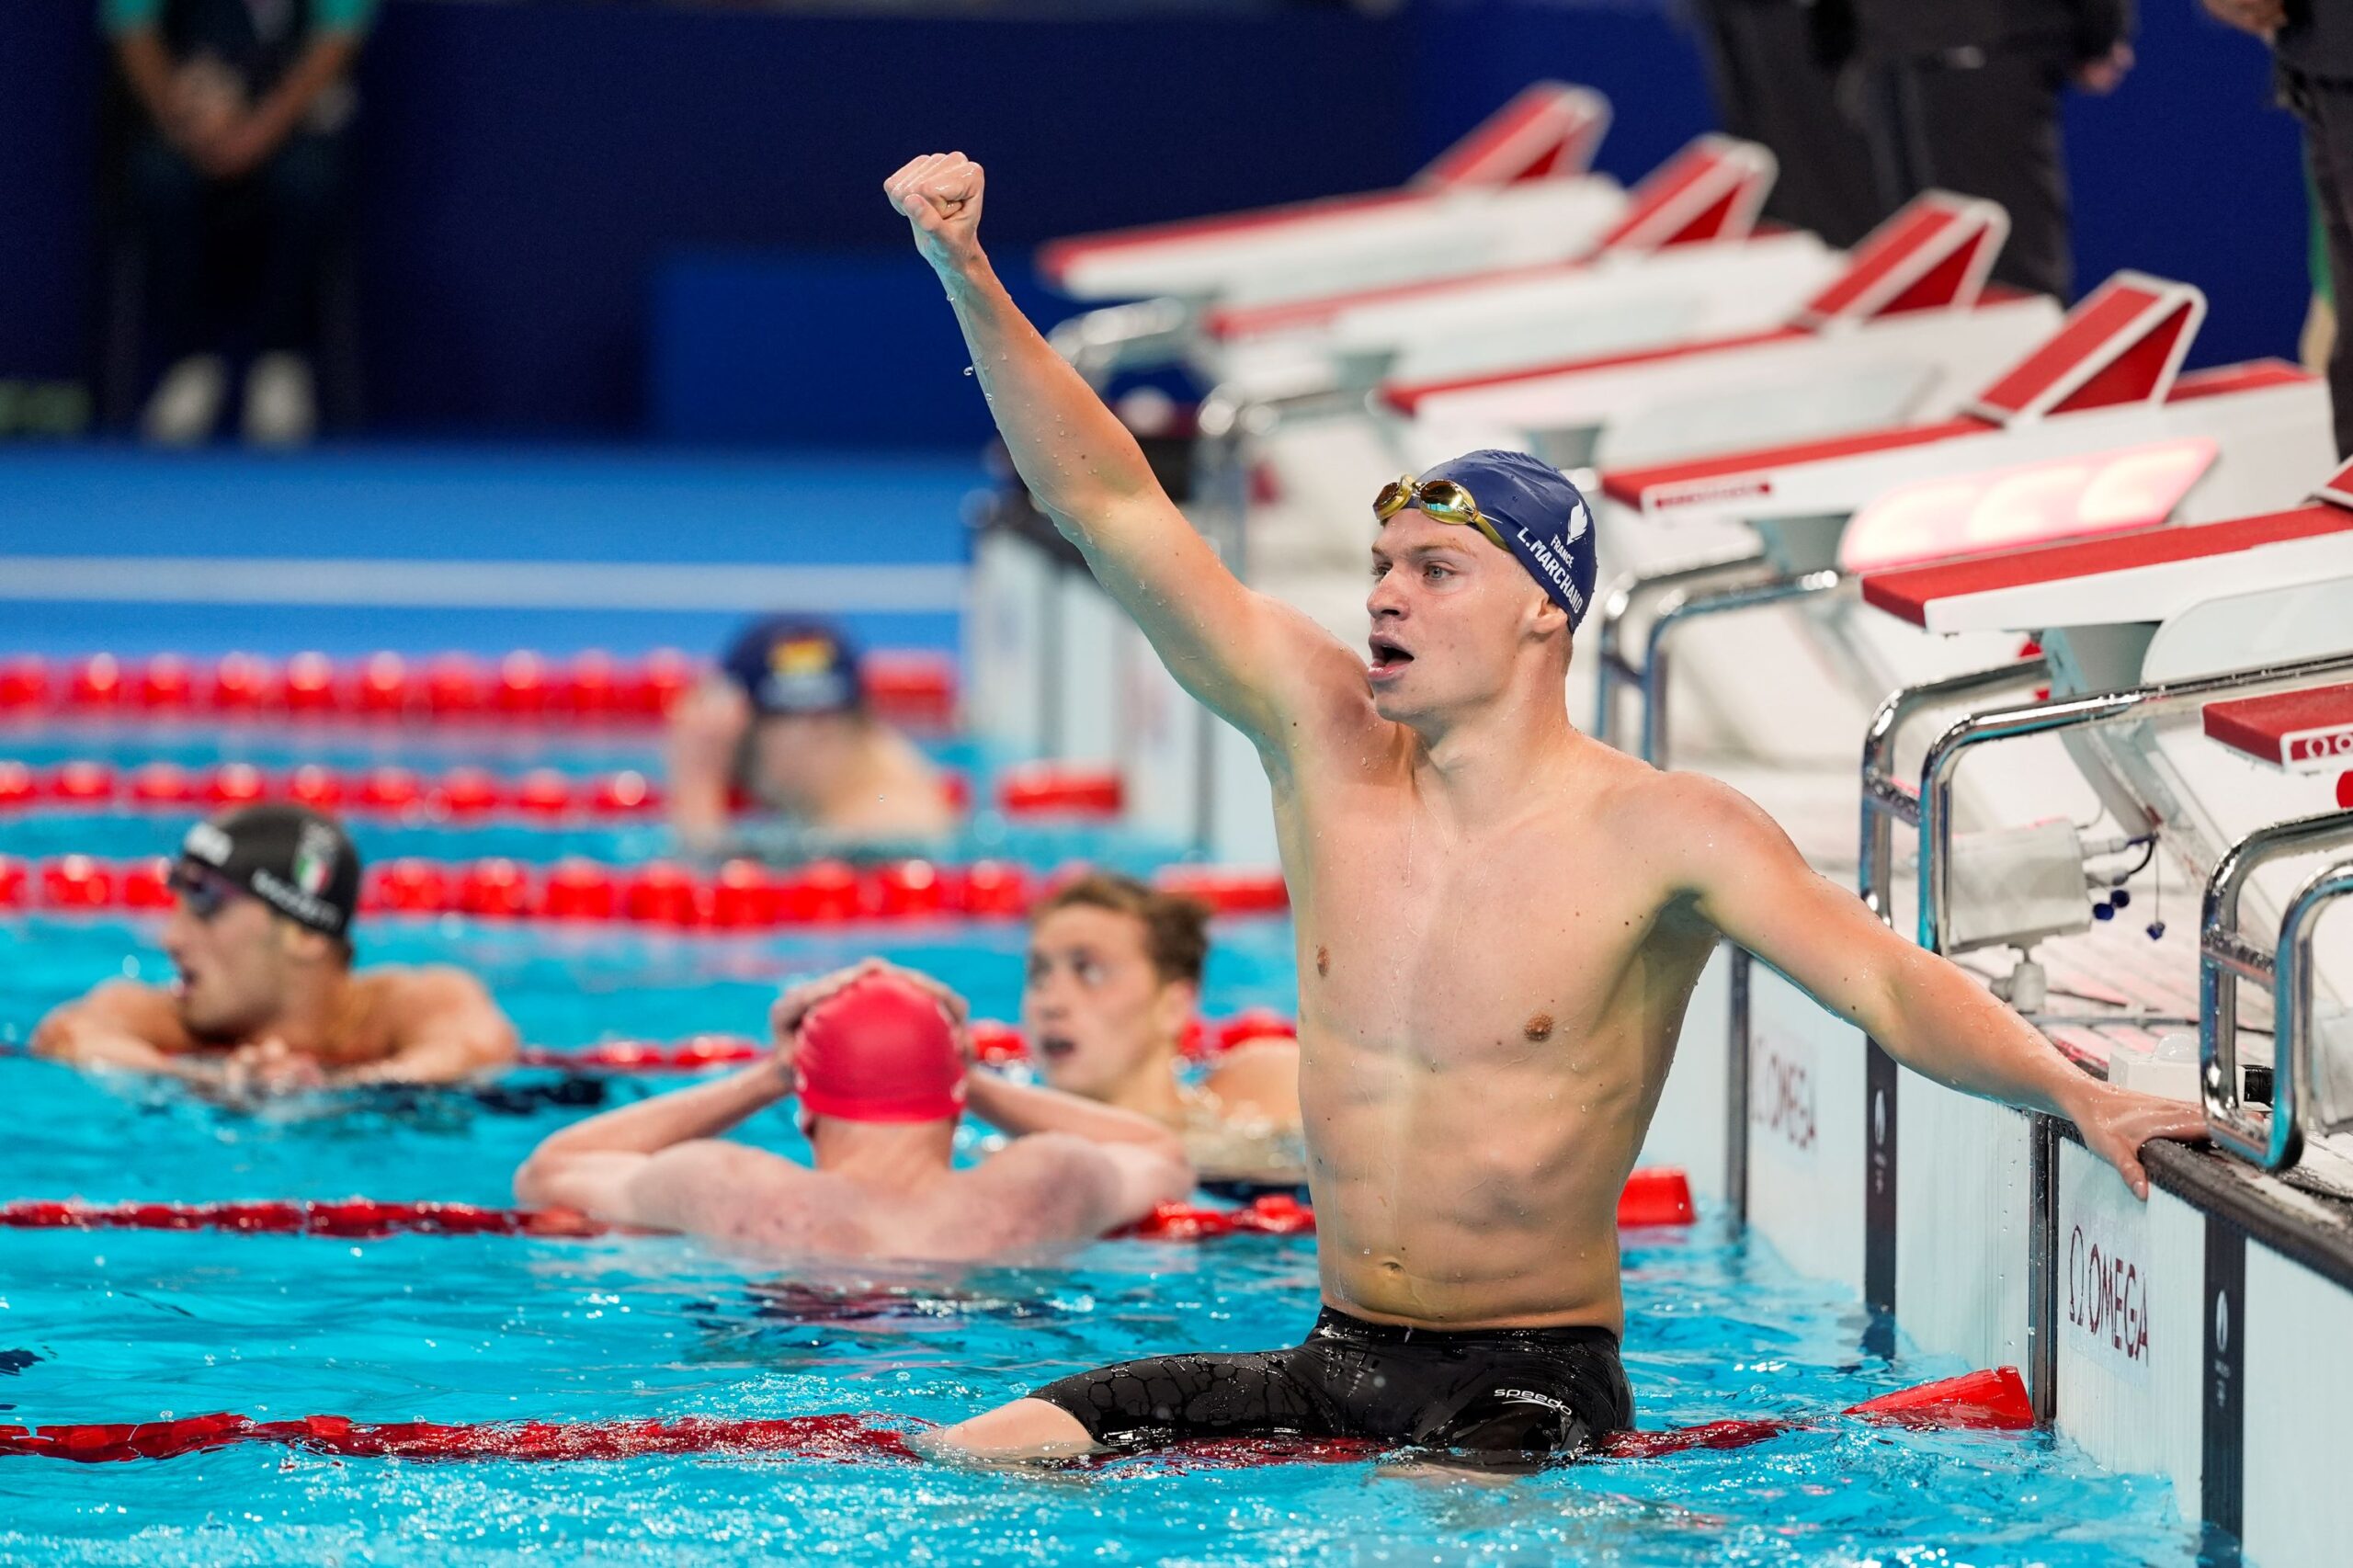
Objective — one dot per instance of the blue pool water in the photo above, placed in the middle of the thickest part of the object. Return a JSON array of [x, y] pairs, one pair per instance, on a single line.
[[131, 1325]]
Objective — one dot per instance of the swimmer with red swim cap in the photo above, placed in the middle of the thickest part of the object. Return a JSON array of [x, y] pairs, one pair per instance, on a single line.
[[1499, 921], [267, 1000], [881, 1062], [783, 720]]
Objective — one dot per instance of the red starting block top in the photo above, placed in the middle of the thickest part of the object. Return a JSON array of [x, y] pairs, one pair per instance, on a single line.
[[1933, 255], [1631, 486], [2124, 345], [1909, 592], [1713, 189], [2302, 731], [1548, 129]]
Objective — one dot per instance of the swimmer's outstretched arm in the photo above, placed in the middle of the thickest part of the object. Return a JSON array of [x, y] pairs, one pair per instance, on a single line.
[[123, 1025], [656, 1162], [1749, 881], [1257, 662]]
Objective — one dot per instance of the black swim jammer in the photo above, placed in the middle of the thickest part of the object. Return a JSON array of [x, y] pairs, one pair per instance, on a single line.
[[1507, 1393]]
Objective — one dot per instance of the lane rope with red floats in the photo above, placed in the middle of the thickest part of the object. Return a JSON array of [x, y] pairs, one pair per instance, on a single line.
[[994, 1042], [1990, 1401], [908, 687], [1031, 791], [739, 895], [1652, 1197]]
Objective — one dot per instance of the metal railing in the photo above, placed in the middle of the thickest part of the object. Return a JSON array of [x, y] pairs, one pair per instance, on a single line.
[[1885, 801], [1099, 343], [1885, 798], [1618, 603], [2274, 1139]]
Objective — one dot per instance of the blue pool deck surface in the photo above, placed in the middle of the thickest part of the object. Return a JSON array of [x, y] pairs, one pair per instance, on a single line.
[[477, 549]]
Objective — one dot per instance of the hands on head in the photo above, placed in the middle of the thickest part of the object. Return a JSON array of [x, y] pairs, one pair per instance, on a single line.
[[940, 196], [792, 1008]]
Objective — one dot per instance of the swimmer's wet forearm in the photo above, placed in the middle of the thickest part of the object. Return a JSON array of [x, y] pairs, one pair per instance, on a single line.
[[703, 1110], [1023, 1108]]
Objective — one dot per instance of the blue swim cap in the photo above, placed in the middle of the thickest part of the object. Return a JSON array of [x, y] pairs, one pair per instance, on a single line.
[[1543, 518], [787, 665]]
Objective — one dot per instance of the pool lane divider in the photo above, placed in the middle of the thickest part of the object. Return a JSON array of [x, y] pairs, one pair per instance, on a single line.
[[1993, 1400], [463, 795], [739, 896], [1654, 1197], [589, 689], [994, 1042]]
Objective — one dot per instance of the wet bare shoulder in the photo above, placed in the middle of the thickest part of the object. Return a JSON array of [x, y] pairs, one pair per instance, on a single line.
[[1054, 1182], [142, 1012]]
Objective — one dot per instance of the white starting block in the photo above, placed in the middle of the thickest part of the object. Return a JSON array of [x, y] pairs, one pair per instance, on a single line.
[[2095, 429], [1515, 191], [1687, 260], [1908, 332]]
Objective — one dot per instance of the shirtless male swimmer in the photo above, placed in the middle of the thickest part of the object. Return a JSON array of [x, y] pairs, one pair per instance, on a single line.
[[267, 1001], [1499, 921], [880, 1060]]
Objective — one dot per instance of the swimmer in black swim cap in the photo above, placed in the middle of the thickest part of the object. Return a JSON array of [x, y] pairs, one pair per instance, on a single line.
[[783, 722], [267, 1000]]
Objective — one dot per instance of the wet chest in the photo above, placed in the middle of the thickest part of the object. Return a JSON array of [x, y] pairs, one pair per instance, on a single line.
[[1467, 946]]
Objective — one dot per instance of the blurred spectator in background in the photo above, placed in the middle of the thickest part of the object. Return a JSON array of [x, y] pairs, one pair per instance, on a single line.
[[783, 722], [1776, 68], [1963, 95], [2313, 42], [233, 182]]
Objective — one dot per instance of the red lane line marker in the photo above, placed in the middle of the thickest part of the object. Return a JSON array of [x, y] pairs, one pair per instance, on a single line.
[[1657, 1196], [1993, 1400], [591, 688], [741, 895], [363, 1218]]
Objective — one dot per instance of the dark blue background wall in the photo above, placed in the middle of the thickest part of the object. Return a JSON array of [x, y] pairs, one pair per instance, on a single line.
[[529, 168]]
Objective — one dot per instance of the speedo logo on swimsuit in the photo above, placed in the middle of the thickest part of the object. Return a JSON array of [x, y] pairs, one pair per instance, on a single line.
[[293, 900], [1700, 490], [1529, 1396], [1549, 561], [207, 843]]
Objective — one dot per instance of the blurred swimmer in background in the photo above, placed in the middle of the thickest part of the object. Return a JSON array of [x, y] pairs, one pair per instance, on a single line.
[[267, 1001], [783, 723], [1113, 985]]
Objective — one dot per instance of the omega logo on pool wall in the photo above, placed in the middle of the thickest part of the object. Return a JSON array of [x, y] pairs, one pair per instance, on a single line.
[[2107, 1301], [1780, 1097]]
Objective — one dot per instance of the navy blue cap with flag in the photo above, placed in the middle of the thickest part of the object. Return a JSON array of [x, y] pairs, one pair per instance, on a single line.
[[787, 665], [1541, 517]]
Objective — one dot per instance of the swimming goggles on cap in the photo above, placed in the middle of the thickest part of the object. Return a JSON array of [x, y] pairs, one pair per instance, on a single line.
[[1440, 500], [204, 891]]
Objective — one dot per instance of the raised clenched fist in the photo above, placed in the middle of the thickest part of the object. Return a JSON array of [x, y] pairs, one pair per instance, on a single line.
[[940, 196]]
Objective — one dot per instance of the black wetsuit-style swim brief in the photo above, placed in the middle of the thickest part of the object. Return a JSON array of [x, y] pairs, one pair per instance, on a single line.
[[1516, 1393]]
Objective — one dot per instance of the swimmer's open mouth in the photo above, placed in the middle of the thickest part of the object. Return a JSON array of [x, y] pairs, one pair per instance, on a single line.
[[1055, 1048], [1387, 655]]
